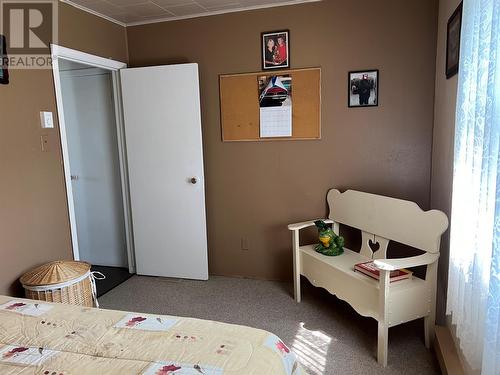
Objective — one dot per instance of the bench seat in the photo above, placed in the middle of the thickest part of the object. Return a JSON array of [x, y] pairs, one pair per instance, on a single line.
[[336, 274]]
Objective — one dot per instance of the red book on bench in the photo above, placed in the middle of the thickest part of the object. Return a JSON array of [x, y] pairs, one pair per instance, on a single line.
[[369, 269]]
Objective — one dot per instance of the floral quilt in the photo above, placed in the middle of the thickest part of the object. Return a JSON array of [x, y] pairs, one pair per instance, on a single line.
[[44, 338]]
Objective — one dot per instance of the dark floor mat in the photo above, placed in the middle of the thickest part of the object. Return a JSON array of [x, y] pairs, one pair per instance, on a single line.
[[114, 277]]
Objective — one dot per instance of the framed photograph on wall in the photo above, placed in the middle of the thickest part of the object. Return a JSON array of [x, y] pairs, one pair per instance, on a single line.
[[275, 49], [4, 72], [453, 42], [362, 88]]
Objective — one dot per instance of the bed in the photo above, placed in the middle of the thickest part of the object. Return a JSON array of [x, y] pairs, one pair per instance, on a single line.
[[38, 337]]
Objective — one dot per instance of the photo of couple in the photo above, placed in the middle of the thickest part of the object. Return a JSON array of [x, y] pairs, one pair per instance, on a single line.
[[275, 53]]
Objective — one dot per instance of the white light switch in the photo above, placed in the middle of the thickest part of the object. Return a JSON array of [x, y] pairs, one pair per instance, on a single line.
[[47, 120]]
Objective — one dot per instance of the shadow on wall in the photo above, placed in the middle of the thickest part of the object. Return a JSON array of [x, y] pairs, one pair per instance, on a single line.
[[15, 289], [168, 61], [442, 290]]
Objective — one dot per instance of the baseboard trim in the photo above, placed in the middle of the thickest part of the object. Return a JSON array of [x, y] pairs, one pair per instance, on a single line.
[[447, 353]]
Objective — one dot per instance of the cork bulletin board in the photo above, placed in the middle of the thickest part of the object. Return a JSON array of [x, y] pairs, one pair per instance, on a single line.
[[240, 112]]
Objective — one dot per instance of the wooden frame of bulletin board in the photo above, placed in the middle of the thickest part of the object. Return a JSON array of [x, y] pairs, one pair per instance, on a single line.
[[239, 105]]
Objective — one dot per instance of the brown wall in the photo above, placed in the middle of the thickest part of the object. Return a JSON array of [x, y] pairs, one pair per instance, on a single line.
[[85, 32], [254, 190], [442, 148], [34, 225]]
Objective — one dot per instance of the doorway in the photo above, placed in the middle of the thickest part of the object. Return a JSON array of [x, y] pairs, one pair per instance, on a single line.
[[159, 172], [95, 165]]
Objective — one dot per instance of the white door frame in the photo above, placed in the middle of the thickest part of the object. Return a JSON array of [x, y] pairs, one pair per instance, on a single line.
[[113, 66]]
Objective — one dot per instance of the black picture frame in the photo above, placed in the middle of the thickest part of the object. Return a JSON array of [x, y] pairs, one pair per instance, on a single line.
[[453, 29], [352, 88], [4, 71], [274, 35]]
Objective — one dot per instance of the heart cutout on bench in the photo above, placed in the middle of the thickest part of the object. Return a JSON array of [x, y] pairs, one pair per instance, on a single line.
[[374, 245]]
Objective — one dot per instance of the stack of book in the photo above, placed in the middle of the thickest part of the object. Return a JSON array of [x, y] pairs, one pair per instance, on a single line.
[[369, 269]]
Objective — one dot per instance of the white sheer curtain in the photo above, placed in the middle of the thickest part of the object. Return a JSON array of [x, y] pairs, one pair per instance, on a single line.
[[474, 274]]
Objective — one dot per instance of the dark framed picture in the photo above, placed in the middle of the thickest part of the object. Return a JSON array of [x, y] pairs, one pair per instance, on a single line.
[[453, 42], [363, 88], [275, 49], [4, 72]]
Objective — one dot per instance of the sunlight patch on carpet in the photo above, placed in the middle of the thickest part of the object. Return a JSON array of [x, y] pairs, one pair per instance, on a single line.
[[311, 347]]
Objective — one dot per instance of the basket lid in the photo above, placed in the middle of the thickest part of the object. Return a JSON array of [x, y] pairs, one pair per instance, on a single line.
[[55, 273]]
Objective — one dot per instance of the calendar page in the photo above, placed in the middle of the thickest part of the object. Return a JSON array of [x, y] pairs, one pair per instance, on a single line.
[[276, 122], [275, 102]]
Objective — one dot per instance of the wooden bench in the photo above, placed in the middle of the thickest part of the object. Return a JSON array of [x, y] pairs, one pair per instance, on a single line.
[[381, 219]]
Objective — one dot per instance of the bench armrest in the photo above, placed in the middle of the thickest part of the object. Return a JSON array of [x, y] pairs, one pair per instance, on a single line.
[[306, 224], [397, 264]]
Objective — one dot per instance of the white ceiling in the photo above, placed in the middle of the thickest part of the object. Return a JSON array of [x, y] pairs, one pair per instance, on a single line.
[[133, 12]]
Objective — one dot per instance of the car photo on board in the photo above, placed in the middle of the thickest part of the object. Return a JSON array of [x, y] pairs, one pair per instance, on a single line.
[[275, 91]]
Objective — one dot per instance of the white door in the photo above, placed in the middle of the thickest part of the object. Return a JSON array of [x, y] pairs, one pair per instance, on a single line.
[[161, 107], [94, 163]]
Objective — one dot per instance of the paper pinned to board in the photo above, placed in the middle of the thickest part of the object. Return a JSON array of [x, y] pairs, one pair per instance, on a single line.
[[275, 102]]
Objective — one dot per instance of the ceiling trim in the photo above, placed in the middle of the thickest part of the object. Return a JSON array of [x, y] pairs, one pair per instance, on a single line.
[[177, 18], [85, 9]]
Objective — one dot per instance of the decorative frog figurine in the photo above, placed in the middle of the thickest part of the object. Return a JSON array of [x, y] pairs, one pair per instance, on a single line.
[[330, 244]]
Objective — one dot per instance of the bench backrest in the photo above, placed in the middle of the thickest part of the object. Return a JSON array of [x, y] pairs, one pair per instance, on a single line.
[[390, 218]]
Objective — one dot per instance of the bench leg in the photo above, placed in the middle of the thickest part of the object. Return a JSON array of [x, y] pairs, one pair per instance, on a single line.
[[383, 326], [430, 320], [383, 339], [429, 330], [296, 265], [296, 286]]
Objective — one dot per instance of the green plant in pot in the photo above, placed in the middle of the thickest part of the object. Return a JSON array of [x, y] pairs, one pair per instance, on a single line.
[[330, 244]]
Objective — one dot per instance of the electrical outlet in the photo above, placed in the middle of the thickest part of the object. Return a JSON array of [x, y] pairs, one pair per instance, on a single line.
[[244, 244], [44, 143]]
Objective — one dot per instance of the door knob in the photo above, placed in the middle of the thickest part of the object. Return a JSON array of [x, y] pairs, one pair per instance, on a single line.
[[194, 180]]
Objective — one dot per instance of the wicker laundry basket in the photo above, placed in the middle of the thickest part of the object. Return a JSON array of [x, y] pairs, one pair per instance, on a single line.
[[61, 281]]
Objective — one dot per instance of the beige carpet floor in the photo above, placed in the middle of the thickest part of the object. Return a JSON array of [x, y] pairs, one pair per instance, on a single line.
[[326, 333]]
